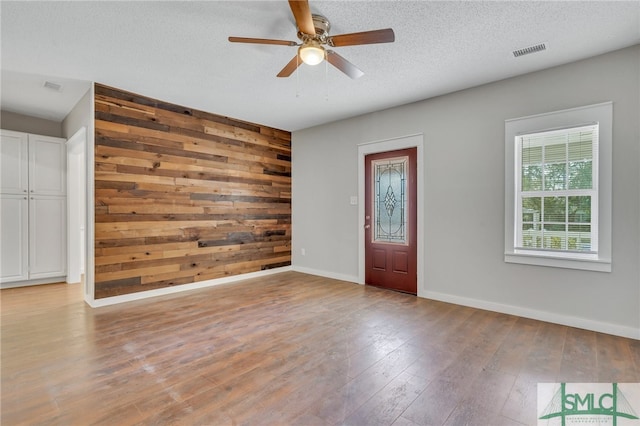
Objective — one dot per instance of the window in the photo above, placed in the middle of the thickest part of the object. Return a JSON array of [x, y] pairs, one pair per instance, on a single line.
[[390, 205], [556, 188], [558, 199]]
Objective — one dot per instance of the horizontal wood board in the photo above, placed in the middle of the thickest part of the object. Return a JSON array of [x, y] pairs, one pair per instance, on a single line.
[[183, 195]]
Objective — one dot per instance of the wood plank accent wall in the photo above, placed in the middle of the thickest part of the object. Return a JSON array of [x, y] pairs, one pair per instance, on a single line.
[[183, 196]]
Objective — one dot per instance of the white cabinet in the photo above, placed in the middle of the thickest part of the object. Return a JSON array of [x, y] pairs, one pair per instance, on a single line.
[[47, 236], [33, 206], [14, 225], [47, 165], [14, 169]]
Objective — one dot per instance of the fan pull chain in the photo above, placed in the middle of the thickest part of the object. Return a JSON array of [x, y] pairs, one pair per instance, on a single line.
[[297, 76], [326, 77]]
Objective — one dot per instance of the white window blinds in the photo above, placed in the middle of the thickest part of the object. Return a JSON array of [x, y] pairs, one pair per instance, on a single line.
[[556, 190]]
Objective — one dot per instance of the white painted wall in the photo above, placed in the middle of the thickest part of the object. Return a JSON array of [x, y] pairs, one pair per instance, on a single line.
[[464, 195], [24, 123], [80, 116]]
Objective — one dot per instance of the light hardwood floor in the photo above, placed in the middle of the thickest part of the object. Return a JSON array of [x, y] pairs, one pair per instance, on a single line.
[[289, 349]]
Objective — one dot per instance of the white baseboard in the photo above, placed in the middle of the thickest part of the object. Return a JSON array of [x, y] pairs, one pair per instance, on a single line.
[[597, 326], [95, 303], [587, 324], [27, 283], [326, 274]]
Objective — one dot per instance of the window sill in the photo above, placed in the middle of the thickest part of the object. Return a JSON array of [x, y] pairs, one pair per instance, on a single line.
[[598, 265]]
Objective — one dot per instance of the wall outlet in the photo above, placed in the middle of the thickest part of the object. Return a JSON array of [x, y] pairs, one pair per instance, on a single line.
[[303, 252], [353, 200]]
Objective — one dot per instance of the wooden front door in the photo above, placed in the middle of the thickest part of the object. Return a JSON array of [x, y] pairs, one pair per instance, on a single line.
[[391, 220]]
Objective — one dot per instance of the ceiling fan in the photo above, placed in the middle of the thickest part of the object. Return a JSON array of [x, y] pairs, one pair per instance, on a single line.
[[313, 32]]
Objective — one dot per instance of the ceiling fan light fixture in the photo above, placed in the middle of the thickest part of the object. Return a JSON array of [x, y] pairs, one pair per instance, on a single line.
[[313, 33], [311, 53]]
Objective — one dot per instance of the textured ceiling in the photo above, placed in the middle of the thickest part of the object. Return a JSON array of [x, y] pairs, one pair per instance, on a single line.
[[178, 52]]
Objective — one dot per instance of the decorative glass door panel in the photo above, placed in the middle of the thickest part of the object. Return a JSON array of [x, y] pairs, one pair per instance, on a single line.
[[390, 201], [390, 219]]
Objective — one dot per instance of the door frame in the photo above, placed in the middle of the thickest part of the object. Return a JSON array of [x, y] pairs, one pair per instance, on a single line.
[[393, 144], [76, 203]]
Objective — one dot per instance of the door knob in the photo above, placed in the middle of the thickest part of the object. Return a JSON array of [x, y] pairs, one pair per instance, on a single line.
[[367, 226]]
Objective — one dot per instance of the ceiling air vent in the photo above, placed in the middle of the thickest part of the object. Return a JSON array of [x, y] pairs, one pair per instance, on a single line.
[[531, 49], [53, 86]]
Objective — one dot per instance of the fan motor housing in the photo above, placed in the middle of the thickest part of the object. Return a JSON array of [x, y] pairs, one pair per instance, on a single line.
[[322, 26]]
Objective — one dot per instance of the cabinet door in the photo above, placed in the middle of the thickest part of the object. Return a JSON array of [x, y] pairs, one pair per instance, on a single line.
[[47, 236], [14, 175], [14, 234], [47, 165]]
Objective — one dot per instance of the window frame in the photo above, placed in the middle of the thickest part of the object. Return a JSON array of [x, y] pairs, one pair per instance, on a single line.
[[599, 259]]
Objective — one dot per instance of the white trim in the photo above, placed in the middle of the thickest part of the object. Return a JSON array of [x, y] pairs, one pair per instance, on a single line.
[[90, 219], [74, 142], [327, 274], [27, 283], [597, 265], [107, 301], [602, 114], [76, 182], [597, 326], [402, 142]]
